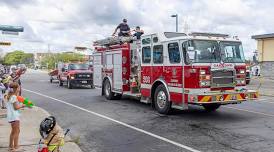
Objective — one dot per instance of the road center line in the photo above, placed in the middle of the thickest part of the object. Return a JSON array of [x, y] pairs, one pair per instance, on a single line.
[[255, 112], [119, 122]]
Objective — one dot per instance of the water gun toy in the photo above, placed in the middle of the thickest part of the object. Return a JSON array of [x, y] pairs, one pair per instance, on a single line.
[[7, 79], [25, 101]]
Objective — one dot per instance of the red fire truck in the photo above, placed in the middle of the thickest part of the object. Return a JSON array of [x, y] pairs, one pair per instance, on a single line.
[[173, 70]]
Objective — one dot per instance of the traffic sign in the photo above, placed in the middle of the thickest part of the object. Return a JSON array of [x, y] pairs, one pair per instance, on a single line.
[[10, 33], [5, 43], [80, 48], [11, 28]]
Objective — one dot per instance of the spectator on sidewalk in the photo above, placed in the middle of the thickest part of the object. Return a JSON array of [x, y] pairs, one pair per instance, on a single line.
[[13, 115], [2, 89]]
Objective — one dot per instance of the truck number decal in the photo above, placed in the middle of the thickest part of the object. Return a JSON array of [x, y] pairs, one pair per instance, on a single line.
[[146, 79]]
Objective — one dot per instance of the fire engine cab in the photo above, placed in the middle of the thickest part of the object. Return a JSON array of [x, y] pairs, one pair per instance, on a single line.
[[173, 70]]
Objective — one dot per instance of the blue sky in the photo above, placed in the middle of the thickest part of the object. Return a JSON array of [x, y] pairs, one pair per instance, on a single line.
[[67, 23]]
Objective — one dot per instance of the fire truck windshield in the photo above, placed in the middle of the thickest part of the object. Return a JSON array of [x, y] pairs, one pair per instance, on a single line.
[[205, 51], [232, 52], [78, 67], [209, 51]]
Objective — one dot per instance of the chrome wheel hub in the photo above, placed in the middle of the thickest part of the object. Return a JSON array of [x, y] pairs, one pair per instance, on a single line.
[[161, 99]]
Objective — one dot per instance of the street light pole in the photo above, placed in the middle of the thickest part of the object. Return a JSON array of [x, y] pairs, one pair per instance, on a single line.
[[176, 16]]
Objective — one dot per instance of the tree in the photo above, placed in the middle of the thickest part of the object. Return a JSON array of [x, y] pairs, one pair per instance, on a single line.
[[27, 58], [52, 59], [18, 57]]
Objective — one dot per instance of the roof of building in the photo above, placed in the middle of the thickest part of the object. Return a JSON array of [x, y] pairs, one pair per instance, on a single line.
[[263, 36]]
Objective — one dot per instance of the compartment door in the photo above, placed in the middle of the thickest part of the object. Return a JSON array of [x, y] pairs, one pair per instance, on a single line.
[[117, 71], [97, 70]]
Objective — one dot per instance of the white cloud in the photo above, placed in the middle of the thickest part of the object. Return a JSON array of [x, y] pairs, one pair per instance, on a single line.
[[67, 23]]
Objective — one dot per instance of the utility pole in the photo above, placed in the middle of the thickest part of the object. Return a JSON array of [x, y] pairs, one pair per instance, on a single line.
[[176, 16], [48, 48]]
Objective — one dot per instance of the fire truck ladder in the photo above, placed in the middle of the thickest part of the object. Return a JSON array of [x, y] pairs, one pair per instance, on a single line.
[[114, 40]]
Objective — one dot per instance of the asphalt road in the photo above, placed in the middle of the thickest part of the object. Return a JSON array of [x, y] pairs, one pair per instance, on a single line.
[[130, 126]]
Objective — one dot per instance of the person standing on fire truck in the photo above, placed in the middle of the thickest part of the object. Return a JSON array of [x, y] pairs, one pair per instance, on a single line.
[[138, 32], [124, 29]]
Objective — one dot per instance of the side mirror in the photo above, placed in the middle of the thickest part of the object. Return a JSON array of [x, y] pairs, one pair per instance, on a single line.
[[191, 55]]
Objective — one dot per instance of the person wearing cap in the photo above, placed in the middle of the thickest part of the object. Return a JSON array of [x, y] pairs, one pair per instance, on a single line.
[[138, 32], [124, 29]]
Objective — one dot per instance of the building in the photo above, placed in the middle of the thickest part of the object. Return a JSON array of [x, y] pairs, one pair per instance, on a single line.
[[87, 52], [265, 47]]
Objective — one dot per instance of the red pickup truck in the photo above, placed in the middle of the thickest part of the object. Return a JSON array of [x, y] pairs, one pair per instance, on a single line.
[[75, 74]]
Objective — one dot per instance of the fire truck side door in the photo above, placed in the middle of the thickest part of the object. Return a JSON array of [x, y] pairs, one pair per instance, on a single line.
[[173, 71], [146, 70]]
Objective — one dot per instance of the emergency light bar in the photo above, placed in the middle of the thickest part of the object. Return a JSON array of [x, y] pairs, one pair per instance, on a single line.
[[209, 34]]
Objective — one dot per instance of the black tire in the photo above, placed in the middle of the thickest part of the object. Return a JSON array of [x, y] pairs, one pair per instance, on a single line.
[[211, 107], [69, 84], [247, 81], [117, 96], [107, 90], [50, 80], [60, 82], [161, 102]]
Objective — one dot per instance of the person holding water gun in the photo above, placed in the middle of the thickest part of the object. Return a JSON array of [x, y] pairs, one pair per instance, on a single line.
[[13, 115]]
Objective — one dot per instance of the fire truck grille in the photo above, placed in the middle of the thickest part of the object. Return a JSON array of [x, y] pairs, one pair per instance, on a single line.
[[83, 76], [222, 78]]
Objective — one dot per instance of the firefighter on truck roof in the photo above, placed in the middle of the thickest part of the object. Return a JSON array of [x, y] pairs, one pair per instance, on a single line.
[[124, 29]]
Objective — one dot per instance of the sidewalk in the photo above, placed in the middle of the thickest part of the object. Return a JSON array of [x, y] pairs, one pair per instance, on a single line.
[[30, 121], [265, 86]]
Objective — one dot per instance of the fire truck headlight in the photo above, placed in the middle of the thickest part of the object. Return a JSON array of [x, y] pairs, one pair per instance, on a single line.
[[72, 77], [202, 72]]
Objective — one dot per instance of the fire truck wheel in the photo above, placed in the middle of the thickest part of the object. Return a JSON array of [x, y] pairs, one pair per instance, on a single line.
[[117, 96], [211, 107], [107, 91], [51, 79], [60, 82], [161, 102]]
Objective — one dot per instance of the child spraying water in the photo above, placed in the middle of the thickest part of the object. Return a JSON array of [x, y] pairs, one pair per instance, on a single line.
[[13, 115]]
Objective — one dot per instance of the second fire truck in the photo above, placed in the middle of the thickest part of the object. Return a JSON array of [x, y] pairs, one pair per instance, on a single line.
[[173, 70]]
